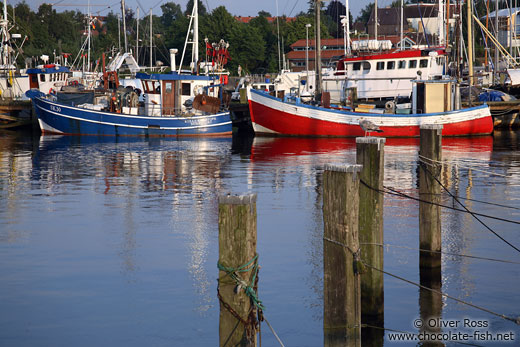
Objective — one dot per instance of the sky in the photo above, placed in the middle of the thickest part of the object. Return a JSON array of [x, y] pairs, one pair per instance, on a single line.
[[235, 7]]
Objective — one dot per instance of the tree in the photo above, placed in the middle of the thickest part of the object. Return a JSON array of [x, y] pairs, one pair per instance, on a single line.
[[264, 14], [202, 9], [365, 13]]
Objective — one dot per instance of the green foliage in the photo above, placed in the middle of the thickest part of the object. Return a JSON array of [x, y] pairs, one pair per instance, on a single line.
[[253, 45]]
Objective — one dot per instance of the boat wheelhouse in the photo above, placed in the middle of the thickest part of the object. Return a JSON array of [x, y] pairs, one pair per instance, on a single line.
[[387, 75]]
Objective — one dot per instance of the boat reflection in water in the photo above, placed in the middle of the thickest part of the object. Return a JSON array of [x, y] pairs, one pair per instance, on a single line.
[[186, 174], [115, 239]]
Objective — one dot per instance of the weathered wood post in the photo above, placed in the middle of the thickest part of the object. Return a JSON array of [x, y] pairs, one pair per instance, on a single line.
[[238, 266], [429, 191], [370, 154], [341, 284]]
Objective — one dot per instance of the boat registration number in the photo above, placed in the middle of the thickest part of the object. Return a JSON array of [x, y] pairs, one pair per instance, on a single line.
[[55, 108]]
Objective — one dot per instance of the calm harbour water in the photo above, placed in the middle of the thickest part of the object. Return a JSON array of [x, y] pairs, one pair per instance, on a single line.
[[114, 241]]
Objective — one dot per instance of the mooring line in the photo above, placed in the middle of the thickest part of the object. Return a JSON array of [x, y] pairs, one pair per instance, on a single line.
[[422, 158], [440, 252], [503, 316], [472, 213]]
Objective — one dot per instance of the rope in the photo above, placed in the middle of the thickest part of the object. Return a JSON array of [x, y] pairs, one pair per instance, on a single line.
[[248, 288], [503, 316], [440, 252], [472, 213], [398, 193], [274, 332], [514, 320], [424, 159]]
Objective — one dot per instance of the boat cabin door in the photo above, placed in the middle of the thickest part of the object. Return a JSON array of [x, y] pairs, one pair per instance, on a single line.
[[168, 98]]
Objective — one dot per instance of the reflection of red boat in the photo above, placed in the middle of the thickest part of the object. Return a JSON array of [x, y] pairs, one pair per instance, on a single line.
[[273, 148]]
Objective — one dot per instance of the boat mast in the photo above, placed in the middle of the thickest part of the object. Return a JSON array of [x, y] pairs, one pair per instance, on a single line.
[[195, 56], [124, 23], [495, 75], [5, 49], [470, 46], [89, 34], [346, 28], [440, 21], [137, 40], [402, 26], [318, 49], [151, 40], [375, 20]]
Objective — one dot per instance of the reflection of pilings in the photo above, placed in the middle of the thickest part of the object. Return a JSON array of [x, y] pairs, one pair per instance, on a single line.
[[429, 192], [341, 284], [430, 304], [370, 154]]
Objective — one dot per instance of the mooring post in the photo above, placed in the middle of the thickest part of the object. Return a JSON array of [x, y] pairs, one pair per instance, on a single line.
[[341, 284], [238, 267], [429, 192], [370, 154]]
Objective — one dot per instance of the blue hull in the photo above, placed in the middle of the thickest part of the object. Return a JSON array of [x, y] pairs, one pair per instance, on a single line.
[[61, 119]]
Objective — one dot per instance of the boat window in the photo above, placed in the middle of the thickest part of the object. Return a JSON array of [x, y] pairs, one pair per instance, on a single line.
[[380, 65], [412, 64], [366, 66], [186, 89], [423, 63], [402, 64], [42, 78], [271, 88], [168, 87], [390, 65], [440, 61], [34, 78], [356, 66]]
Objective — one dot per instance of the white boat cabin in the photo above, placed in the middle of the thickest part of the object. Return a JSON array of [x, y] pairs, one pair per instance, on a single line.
[[173, 94], [389, 75]]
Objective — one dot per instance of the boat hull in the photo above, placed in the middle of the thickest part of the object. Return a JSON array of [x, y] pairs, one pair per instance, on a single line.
[[56, 118], [273, 116]]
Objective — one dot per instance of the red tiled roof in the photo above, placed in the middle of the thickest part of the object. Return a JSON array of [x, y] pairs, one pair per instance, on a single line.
[[324, 54], [269, 19]]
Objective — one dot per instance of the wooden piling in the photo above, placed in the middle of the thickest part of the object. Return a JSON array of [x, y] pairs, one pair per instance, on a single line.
[[237, 247], [341, 284], [370, 154], [430, 156]]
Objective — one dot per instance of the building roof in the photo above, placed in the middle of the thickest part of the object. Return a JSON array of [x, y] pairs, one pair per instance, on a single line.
[[269, 19]]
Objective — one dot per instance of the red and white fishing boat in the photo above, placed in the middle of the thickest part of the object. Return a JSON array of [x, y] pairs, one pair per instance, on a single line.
[[291, 117]]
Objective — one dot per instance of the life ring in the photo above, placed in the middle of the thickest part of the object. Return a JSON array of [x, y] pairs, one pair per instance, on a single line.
[[224, 79], [196, 89], [203, 101], [52, 91]]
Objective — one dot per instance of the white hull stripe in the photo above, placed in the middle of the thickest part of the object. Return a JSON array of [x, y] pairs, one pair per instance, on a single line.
[[138, 126], [351, 118]]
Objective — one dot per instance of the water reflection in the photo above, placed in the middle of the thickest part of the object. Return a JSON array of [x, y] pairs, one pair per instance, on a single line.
[[131, 225]]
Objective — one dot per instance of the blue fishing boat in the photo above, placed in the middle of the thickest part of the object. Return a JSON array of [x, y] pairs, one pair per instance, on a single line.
[[171, 105]]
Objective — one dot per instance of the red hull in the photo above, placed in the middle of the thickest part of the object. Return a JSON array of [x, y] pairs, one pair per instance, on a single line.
[[277, 122]]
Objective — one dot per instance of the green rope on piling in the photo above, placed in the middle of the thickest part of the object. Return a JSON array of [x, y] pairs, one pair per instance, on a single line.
[[248, 288]]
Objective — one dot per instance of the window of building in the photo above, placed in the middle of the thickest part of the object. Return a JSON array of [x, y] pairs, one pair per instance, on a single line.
[[366, 67], [423, 63], [412, 64], [402, 64], [356, 66], [380, 65], [42, 77], [390, 65]]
